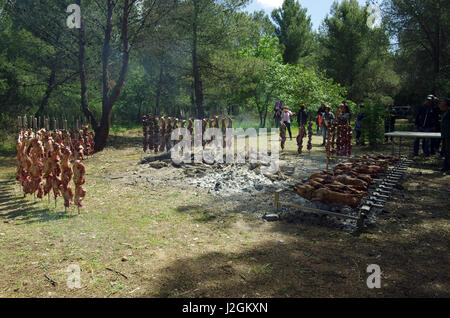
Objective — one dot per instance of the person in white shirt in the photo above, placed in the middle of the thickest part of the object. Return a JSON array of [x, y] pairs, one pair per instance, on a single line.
[[286, 119]]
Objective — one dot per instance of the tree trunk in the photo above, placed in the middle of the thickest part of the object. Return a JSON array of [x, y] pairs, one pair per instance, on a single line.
[[111, 92], [48, 91], [158, 90], [82, 52], [198, 90]]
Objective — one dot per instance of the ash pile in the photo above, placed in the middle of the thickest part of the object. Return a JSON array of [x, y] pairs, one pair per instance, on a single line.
[[229, 180]]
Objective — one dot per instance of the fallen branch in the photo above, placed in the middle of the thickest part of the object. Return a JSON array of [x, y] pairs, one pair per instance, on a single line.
[[50, 280], [117, 272]]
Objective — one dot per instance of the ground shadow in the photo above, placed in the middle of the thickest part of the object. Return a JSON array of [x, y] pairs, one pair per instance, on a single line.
[[19, 210], [315, 268]]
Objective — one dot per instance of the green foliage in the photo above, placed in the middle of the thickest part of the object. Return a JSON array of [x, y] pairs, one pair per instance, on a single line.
[[294, 29], [354, 55], [373, 122]]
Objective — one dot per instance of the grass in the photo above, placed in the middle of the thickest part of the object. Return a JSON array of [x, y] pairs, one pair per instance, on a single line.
[[169, 241]]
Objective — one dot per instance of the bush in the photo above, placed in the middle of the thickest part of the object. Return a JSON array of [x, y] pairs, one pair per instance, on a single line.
[[373, 123]]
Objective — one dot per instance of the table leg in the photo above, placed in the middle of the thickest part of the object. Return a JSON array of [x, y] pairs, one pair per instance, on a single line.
[[393, 147]]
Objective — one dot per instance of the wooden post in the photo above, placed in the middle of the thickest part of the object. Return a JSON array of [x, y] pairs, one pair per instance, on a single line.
[[35, 124], [19, 123], [54, 123], [25, 123], [276, 203]]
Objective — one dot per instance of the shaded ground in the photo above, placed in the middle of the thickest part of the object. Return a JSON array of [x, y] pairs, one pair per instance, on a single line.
[[162, 238]]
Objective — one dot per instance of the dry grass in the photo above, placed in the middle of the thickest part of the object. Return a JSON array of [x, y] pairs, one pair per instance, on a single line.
[[177, 242]]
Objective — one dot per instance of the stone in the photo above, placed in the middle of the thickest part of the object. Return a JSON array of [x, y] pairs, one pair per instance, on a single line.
[[271, 217]]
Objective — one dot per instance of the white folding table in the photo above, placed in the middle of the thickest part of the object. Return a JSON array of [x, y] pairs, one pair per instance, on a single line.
[[410, 134]]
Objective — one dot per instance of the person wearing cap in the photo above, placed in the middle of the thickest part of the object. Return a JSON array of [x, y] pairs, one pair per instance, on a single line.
[[286, 119], [427, 120], [445, 131]]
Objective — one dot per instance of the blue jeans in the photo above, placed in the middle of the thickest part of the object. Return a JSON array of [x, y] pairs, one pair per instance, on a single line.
[[426, 143]]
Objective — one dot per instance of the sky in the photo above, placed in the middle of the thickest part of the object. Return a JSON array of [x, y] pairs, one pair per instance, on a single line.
[[317, 9]]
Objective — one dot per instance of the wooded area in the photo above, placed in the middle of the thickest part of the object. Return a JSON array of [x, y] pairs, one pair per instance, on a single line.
[[201, 57]]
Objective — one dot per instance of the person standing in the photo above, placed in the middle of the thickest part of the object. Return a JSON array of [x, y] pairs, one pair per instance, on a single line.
[[278, 110], [328, 118], [389, 122], [343, 114], [319, 118], [435, 142], [359, 125], [445, 131], [286, 119], [302, 116], [427, 120]]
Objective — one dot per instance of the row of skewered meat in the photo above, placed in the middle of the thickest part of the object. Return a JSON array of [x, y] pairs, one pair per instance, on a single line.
[[347, 184], [157, 131], [339, 140], [47, 156], [301, 135]]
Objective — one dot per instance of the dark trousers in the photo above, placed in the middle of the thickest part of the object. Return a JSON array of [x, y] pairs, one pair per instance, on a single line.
[[288, 127], [426, 142], [325, 133], [435, 144], [358, 136], [446, 153], [277, 121]]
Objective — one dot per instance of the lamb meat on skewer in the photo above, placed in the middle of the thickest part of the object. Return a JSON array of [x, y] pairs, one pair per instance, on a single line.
[[145, 133], [66, 177], [301, 135], [79, 172], [283, 135], [162, 133], [156, 138], [310, 134], [224, 132]]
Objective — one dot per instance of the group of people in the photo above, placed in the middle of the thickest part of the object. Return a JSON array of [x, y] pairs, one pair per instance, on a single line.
[[324, 116], [433, 116]]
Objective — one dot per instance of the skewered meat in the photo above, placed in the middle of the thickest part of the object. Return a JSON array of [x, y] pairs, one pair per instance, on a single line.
[[163, 133], [301, 135], [283, 135], [310, 134], [305, 191], [145, 132], [79, 172], [80, 193], [67, 195], [352, 181], [330, 197]]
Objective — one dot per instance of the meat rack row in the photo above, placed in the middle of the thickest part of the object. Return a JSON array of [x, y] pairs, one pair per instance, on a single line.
[[50, 123], [378, 195], [157, 131]]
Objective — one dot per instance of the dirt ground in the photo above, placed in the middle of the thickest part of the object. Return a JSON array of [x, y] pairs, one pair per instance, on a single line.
[[144, 232]]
